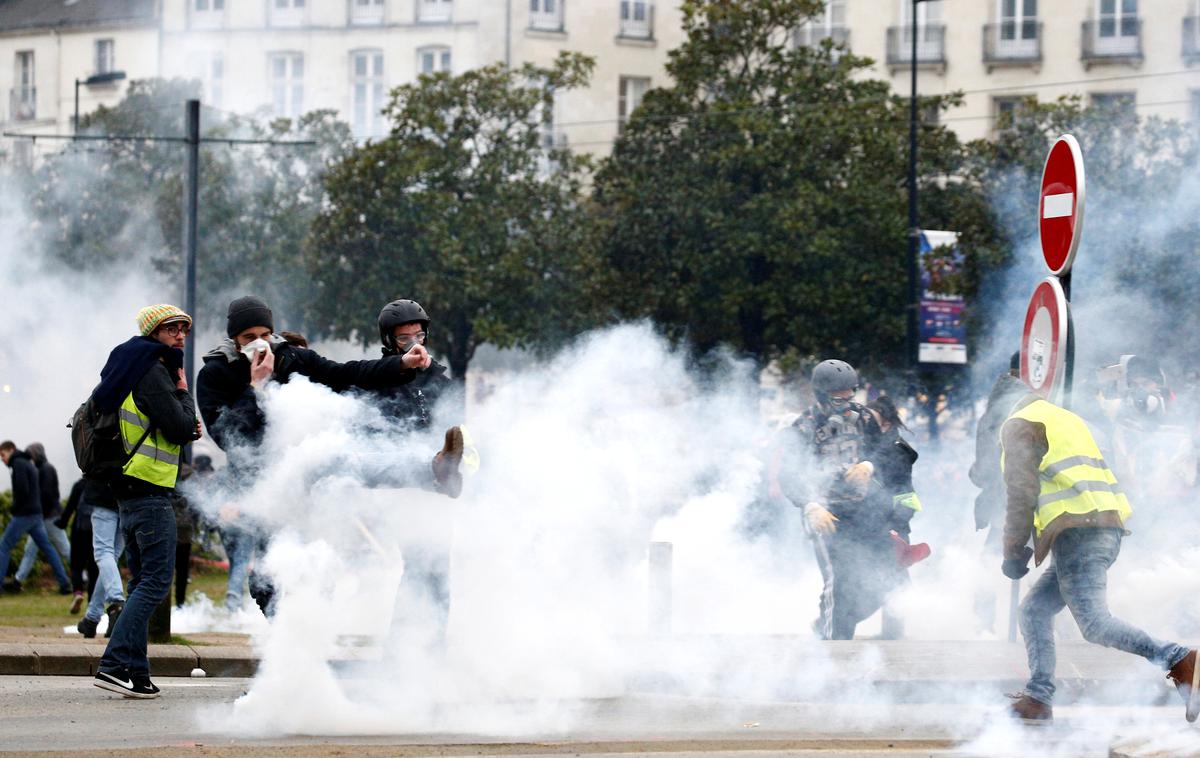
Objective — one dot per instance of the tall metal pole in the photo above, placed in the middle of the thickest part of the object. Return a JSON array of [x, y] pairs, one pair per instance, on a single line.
[[913, 231], [76, 121], [190, 205]]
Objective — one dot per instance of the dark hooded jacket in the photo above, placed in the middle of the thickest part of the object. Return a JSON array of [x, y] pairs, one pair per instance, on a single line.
[[48, 489], [228, 403], [412, 404], [26, 494]]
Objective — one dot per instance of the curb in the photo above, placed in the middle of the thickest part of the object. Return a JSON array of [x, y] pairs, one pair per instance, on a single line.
[[79, 659]]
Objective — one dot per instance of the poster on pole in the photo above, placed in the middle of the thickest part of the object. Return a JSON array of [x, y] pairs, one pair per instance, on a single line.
[[941, 327]]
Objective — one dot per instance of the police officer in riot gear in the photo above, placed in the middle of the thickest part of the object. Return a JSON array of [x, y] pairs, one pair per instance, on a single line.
[[854, 483]]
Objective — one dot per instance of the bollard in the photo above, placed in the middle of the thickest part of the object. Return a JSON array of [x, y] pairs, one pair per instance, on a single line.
[[660, 587]]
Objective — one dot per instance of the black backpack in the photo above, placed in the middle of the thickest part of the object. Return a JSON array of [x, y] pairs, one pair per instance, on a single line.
[[96, 438]]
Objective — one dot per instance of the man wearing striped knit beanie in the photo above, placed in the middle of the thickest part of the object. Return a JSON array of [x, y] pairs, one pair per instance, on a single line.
[[144, 383]]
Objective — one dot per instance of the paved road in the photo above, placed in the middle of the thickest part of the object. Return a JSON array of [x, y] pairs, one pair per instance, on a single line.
[[68, 715]]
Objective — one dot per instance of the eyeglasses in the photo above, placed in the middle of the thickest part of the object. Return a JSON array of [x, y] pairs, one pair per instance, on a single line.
[[174, 330]]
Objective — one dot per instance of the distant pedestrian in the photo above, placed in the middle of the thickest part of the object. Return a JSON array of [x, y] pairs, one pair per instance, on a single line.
[[27, 516], [143, 381], [108, 544], [51, 510], [83, 560]]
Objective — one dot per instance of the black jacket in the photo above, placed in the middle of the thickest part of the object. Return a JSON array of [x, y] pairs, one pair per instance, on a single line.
[[48, 489], [412, 404], [78, 507], [170, 411], [229, 405], [27, 500]]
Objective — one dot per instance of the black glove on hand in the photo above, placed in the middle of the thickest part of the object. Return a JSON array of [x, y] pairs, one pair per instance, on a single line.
[[60, 523], [1015, 568]]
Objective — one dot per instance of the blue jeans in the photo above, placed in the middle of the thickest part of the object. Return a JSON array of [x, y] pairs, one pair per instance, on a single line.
[[58, 538], [1077, 578], [149, 526], [239, 548], [31, 525], [107, 545]]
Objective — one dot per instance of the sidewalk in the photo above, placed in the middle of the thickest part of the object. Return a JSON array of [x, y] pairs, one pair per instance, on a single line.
[[40, 652]]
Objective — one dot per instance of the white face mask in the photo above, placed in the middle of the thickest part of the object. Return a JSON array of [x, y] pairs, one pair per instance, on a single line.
[[252, 349]]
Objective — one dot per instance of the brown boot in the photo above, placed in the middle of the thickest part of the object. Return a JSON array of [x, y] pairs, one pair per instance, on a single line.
[[1030, 711], [1187, 680], [446, 475]]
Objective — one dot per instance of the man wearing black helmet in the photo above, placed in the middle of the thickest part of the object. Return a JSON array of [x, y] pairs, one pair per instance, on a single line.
[[855, 486]]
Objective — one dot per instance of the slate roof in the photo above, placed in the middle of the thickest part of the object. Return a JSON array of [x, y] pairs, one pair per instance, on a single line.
[[17, 15]]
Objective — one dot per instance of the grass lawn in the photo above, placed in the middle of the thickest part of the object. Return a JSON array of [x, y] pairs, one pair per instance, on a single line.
[[39, 606]]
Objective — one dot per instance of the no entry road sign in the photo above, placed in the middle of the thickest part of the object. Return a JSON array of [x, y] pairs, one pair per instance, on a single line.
[[1044, 339], [1060, 209]]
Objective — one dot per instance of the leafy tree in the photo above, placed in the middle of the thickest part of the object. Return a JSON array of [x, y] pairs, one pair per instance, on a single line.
[[111, 204], [1141, 233], [462, 207], [759, 201]]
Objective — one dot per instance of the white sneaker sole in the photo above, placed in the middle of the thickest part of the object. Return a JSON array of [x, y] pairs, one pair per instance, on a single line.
[[118, 689]]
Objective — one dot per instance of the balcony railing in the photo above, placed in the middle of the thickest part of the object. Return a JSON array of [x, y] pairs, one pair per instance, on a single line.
[[1118, 38], [633, 27], [22, 104], [1191, 39], [813, 36], [931, 45], [1010, 42]]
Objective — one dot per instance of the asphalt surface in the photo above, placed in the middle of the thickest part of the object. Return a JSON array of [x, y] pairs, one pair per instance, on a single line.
[[68, 716]]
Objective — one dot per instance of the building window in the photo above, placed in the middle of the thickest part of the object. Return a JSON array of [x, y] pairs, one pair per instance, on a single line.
[[286, 74], [206, 13], [1123, 104], [287, 12], [366, 11], [204, 6], [366, 86], [1007, 111], [637, 19], [632, 90], [22, 105], [930, 32], [546, 15], [209, 69], [104, 56], [1018, 29], [829, 24], [434, 10], [431, 60], [1115, 31]]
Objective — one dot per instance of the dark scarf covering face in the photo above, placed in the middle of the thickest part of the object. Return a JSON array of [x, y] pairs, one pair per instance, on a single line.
[[127, 364]]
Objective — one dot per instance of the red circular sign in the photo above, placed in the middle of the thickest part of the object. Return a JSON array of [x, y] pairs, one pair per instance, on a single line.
[[1060, 208], [1044, 338]]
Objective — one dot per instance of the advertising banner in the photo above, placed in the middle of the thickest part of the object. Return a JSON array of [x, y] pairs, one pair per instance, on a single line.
[[941, 329]]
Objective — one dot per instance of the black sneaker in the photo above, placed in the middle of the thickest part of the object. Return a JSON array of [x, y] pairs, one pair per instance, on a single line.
[[65, 590], [12, 585], [87, 627], [124, 685], [114, 612], [144, 683]]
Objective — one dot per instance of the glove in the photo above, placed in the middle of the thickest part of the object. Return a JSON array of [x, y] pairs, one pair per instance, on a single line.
[[819, 519], [61, 523], [1015, 568], [859, 476]]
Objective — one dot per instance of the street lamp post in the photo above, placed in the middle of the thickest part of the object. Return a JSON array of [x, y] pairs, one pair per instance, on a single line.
[[105, 78], [914, 231]]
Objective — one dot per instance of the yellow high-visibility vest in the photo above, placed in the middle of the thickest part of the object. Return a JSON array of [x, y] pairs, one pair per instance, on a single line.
[[1074, 477], [156, 460]]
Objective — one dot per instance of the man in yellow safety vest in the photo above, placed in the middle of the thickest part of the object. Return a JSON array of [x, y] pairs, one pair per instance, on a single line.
[[144, 384], [1059, 488]]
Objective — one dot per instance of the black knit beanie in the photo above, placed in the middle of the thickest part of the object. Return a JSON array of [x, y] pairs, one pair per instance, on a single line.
[[246, 312]]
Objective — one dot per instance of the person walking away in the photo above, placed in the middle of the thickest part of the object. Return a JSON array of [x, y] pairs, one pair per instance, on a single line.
[[27, 517], [51, 509], [83, 562], [985, 474], [1060, 489], [108, 544], [144, 382]]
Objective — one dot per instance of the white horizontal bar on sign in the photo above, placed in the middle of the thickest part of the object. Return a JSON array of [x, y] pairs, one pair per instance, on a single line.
[[1057, 206]]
